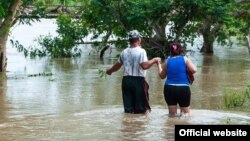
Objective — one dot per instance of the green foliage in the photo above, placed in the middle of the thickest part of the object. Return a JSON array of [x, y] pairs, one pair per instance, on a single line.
[[236, 98], [19, 47], [101, 17], [242, 19], [247, 91], [105, 19], [102, 73], [63, 45], [60, 2], [73, 28], [56, 47], [186, 19], [121, 43], [38, 11], [4, 8], [2, 12], [233, 98]]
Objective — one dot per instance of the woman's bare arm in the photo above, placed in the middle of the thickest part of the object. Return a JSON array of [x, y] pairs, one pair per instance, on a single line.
[[162, 70], [191, 67], [148, 64]]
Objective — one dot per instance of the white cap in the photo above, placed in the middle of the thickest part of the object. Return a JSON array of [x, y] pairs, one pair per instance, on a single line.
[[134, 34]]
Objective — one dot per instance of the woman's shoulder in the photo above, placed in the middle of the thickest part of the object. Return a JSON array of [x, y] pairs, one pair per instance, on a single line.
[[185, 58]]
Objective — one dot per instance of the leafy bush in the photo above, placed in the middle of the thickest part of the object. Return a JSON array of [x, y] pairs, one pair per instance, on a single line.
[[247, 92], [65, 44], [56, 47]]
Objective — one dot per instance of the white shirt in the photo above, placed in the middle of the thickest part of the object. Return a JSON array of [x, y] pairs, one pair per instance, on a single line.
[[131, 58]]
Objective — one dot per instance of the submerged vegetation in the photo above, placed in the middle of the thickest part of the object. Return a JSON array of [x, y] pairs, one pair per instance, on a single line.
[[25, 76], [40, 74], [237, 99]]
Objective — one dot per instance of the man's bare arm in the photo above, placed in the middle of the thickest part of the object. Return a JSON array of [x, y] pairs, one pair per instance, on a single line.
[[114, 68], [148, 64]]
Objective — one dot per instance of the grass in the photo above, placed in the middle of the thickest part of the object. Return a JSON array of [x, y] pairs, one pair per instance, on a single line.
[[237, 99]]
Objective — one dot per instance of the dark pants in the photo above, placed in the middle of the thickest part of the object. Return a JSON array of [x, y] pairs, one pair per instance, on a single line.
[[135, 94], [177, 95]]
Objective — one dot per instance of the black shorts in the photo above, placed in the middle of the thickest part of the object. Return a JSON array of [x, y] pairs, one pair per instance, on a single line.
[[135, 94], [177, 95]]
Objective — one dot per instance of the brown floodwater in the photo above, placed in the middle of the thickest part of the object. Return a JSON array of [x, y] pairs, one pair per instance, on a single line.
[[75, 104]]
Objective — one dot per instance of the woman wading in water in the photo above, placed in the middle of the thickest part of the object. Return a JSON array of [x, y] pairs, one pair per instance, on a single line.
[[176, 69]]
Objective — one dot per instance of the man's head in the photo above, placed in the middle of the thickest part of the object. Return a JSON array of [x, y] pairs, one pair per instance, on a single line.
[[134, 36]]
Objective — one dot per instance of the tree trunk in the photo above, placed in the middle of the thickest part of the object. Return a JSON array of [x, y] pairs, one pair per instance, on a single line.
[[4, 31], [248, 39], [105, 41], [157, 45], [208, 47], [3, 58], [208, 36]]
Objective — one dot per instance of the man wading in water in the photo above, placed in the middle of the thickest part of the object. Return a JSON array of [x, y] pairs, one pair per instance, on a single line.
[[134, 86]]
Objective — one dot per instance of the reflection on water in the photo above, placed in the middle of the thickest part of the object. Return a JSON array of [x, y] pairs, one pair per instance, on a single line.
[[3, 106], [76, 104]]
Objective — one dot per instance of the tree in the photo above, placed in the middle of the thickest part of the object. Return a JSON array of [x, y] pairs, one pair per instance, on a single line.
[[149, 17], [9, 11], [218, 20], [207, 19], [186, 19], [241, 12], [69, 32], [215, 16], [160, 22], [13, 11]]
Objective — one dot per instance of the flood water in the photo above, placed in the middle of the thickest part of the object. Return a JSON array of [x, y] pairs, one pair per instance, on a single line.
[[75, 104]]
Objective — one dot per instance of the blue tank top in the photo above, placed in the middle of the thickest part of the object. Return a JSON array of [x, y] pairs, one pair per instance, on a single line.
[[176, 71]]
